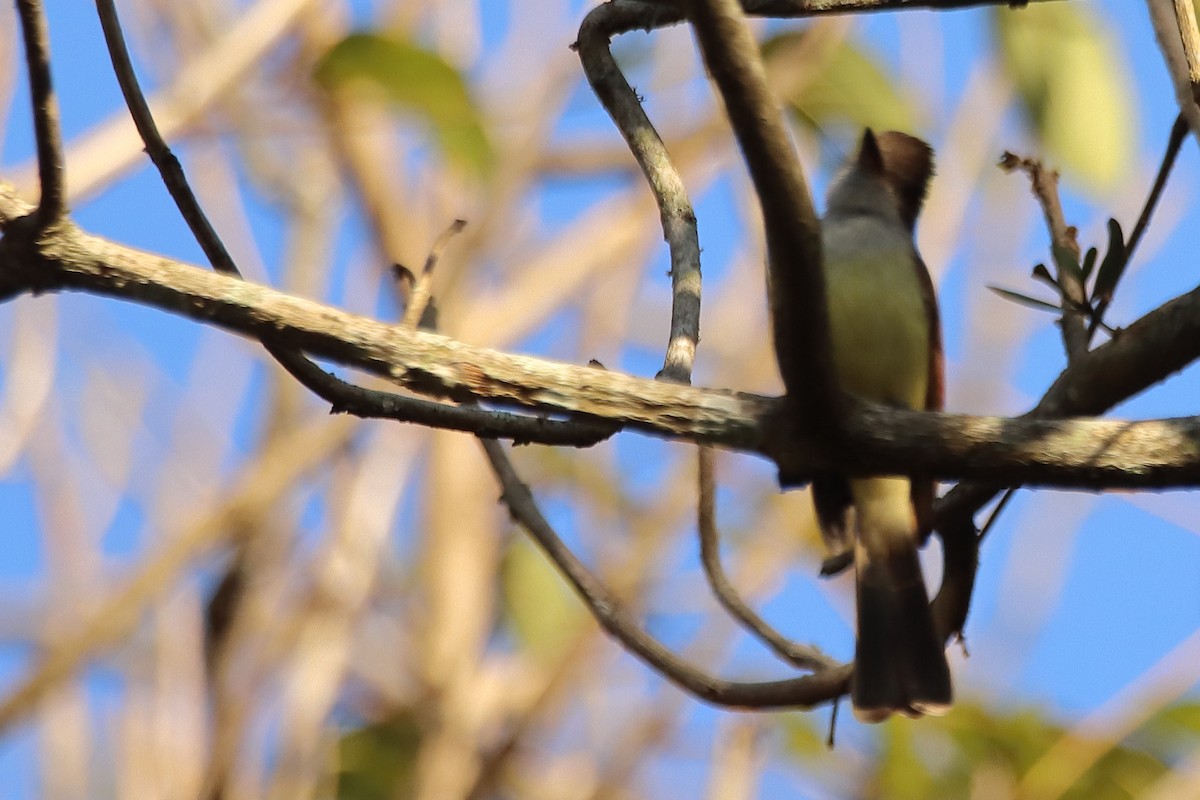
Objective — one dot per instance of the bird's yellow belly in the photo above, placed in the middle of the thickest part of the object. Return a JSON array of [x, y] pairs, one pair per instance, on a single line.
[[879, 332]]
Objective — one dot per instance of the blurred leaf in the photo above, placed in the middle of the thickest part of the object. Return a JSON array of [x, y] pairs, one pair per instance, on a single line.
[[1074, 86], [977, 752], [1040, 273], [1113, 265], [1172, 728], [851, 88], [1025, 300], [539, 606], [415, 80], [378, 761], [902, 774], [803, 740]]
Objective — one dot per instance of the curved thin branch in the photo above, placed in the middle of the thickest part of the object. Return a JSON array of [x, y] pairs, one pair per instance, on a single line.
[[802, 692], [1174, 143], [802, 656], [674, 207]]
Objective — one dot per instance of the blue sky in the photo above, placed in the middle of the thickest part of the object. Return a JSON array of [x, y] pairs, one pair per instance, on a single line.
[[1123, 569]]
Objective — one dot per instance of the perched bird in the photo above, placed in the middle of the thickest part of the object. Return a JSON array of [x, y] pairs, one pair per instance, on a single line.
[[886, 340]]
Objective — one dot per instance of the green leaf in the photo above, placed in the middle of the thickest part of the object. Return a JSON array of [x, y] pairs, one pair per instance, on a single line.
[[378, 761], [1025, 300], [1040, 273], [851, 87], [542, 612], [903, 775], [1072, 81], [1113, 265], [1089, 262], [414, 80]]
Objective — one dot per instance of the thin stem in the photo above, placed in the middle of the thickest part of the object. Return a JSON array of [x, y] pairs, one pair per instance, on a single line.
[[804, 657], [156, 147], [1174, 143], [422, 289], [1044, 182], [47, 132]]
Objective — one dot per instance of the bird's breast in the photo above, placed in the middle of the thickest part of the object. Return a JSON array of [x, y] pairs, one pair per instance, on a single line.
[[879, 328]]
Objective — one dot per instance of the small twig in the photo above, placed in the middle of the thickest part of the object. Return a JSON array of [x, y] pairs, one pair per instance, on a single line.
[[833, 715], [1044, 183], [1174, 143], [995, 515], [47, 133], [675, 209], [804, 657], [802, 692], [422, 289], [156, 147]]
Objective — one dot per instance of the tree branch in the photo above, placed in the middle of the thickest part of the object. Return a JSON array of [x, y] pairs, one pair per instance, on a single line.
[[1168, 31], [802, 692], [1084, 453], [631, 15], [1189, 36], [795, 285], [802, 656], [51, 205], [344, 397], [674, 207], [1044, 182]]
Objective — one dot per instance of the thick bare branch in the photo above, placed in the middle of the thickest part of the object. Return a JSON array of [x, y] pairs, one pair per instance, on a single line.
[[795, 285], [1168, 29], [630, 15], [1085, 453]]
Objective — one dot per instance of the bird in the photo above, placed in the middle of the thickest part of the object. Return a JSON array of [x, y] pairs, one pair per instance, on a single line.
[[885, 337]]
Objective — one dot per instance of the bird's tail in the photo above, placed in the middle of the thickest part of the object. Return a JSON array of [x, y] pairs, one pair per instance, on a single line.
[[900, 662]]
